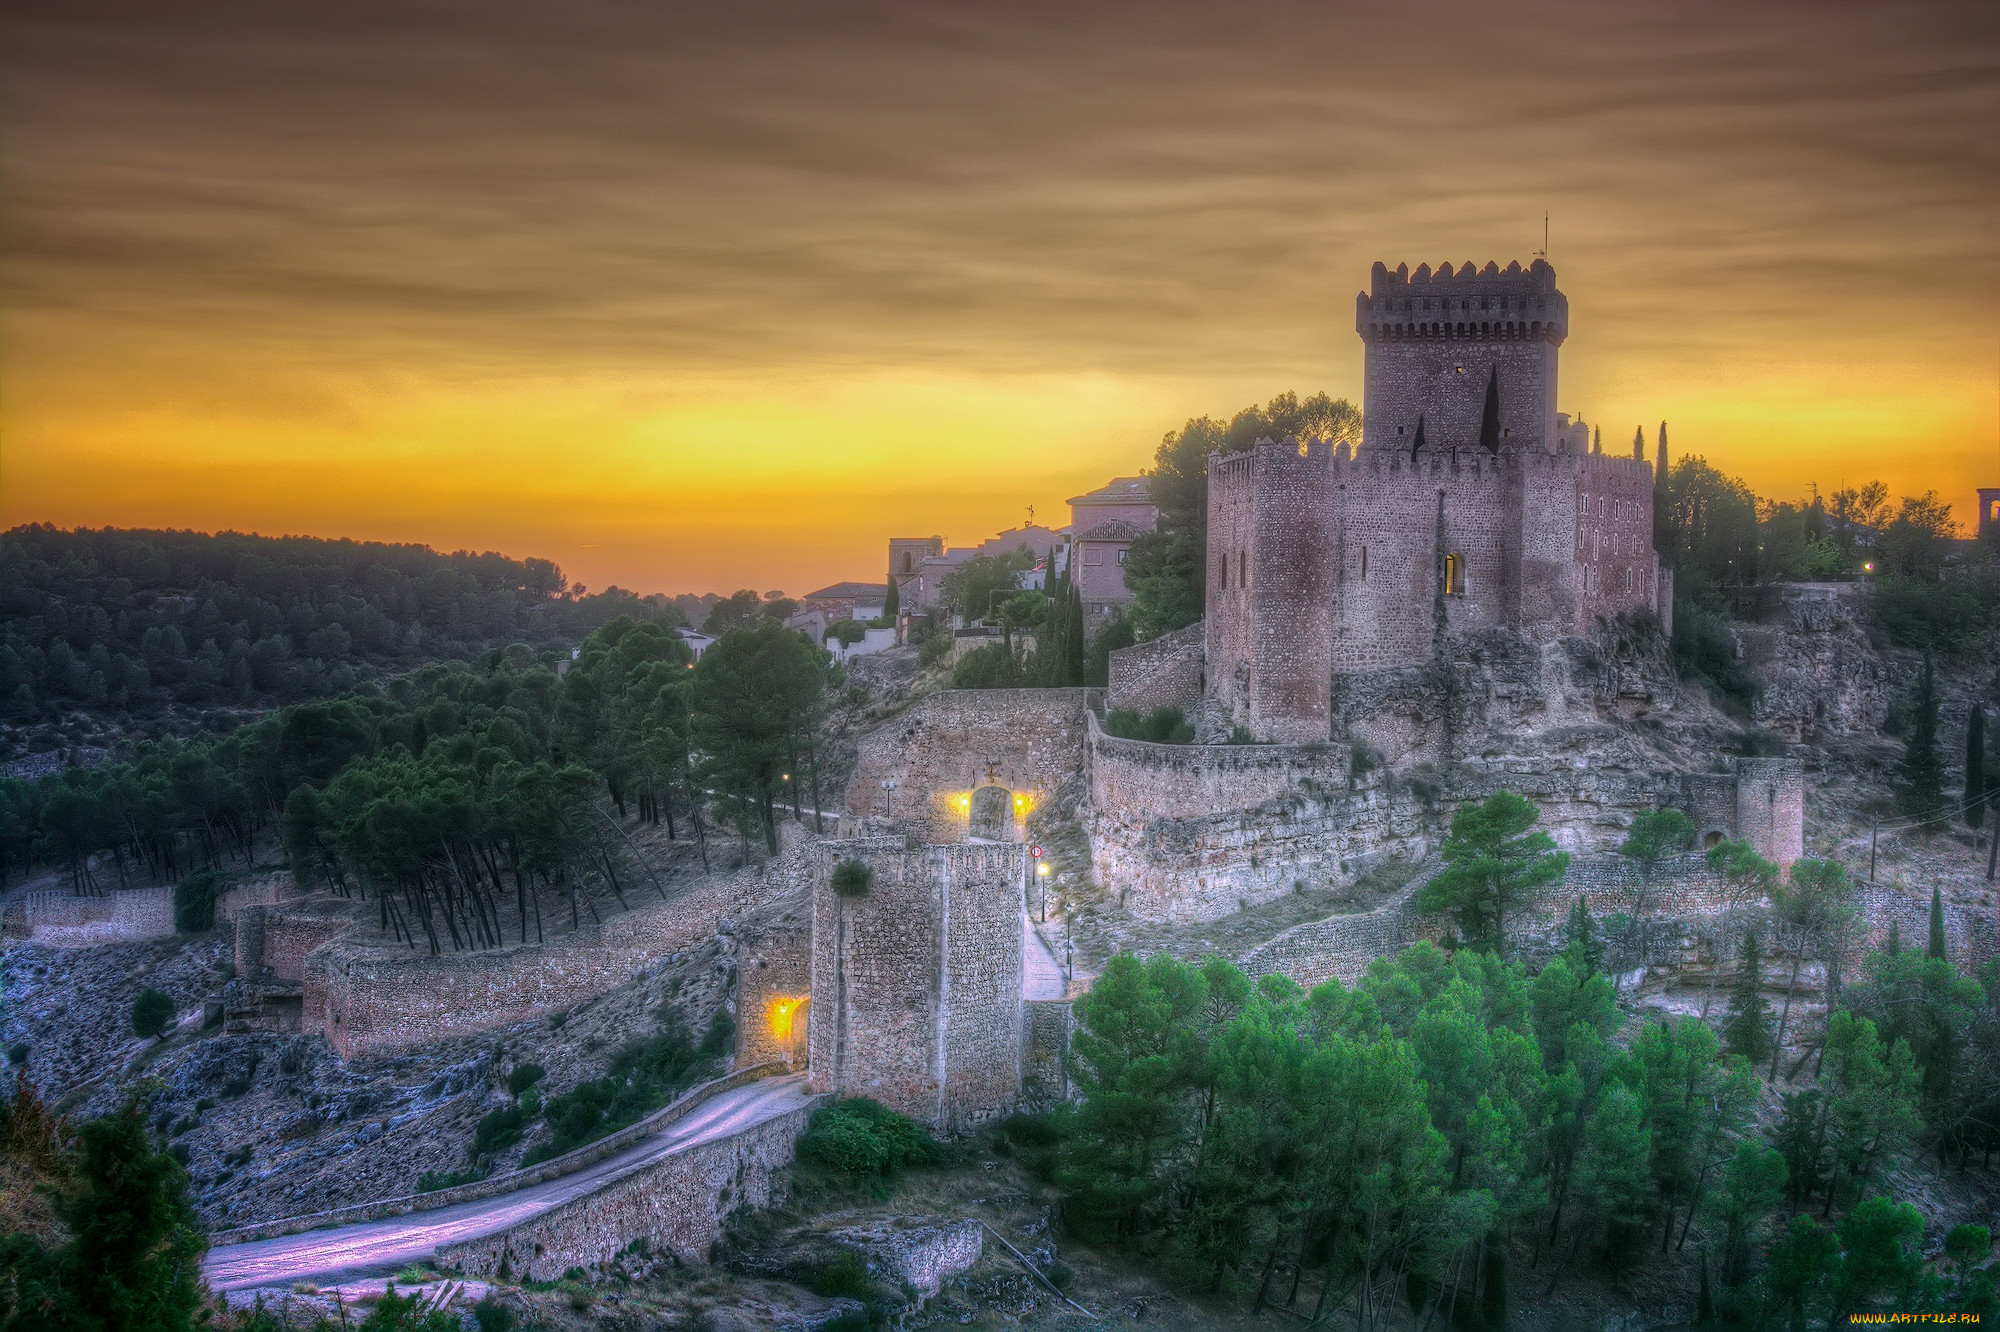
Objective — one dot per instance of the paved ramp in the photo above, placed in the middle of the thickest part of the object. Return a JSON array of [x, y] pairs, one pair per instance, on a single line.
[[393, 1241]]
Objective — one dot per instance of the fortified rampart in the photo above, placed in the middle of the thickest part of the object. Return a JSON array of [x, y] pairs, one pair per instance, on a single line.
[[368, 999], [1024, 741], [676, 1203], [123, 915], [917, 981]]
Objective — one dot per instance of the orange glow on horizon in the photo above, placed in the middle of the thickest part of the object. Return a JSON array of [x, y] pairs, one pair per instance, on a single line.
[[705, 299]]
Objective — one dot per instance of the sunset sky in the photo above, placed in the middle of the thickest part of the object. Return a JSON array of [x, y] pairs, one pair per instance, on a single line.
[[699, 297]]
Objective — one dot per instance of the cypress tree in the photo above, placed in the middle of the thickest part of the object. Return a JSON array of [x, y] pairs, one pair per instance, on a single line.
[[1936, 948], [1747, 1028], [1489, 420], [893, 603], [1704, 1305], [1073, 638], [1975, 766], [1923, 772], [1894, 943], [1580, 938]]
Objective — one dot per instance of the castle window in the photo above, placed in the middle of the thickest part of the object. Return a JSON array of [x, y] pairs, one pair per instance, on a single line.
[[1222, 571], [1454, 575], [1364, 561], [1242, 568], [906, 561]]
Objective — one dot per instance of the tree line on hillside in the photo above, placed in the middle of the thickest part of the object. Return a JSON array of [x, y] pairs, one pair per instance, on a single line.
[[139, 621], [1727, 546], [464, 796], [1398, 1148]]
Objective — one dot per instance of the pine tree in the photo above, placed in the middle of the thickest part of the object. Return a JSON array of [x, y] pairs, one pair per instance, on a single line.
[[892, 604], [1747, 1028], [1923, 772], [1975, 766], [1936, 949]]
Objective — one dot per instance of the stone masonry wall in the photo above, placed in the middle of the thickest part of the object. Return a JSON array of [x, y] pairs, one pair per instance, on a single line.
[[1433, 339], [985, 904], [1291, 587], [1027, 740], [280, 937], [123, 915], [1165, 672], [675, 1204], [1046, 1027], [1175, 781], [916, 984], [773, 989], [1614, 534], [369, 1000]]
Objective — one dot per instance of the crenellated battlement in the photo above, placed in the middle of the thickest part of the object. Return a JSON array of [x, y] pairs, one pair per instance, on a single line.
[[1492, 305]]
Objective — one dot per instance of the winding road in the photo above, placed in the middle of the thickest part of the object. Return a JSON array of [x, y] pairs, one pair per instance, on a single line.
[[387, 1244]]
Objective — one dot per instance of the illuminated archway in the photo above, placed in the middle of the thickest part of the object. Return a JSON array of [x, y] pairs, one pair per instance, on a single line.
[[992, 815]]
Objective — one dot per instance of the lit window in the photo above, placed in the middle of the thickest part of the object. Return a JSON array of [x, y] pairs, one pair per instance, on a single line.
[[1121, 556], [1454, 575]]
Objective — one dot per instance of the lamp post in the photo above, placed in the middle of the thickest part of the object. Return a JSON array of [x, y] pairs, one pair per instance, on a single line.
[[887, 788]]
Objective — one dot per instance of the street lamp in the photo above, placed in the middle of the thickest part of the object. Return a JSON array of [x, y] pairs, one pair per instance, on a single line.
[[887, 787]]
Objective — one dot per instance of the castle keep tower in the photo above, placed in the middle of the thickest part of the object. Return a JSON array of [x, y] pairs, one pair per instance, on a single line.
[[1440, 344]]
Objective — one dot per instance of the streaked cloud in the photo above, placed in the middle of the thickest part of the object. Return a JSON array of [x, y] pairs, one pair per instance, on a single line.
[[698, 296]]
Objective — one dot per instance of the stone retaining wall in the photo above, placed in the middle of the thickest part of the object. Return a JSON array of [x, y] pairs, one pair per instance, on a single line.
[[675, 1203], [1683, 899]]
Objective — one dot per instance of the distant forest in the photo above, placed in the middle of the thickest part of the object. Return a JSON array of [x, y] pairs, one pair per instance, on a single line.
[[143, 622]]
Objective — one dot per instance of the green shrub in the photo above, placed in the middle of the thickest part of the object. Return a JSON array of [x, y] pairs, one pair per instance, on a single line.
[[845, 1275], [433, 1180], [152, 1013], [523, 1077], [1948, 617], [406, 1313], [194, 901], [990, 667], [493, 1316], [851, 878], [863, 1138], [1163, 726], [935, 649], [1704, 648], [498, 1131], [1030, 1130]]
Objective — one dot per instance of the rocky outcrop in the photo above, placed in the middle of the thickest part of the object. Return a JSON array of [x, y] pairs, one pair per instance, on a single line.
[[1818, 674]]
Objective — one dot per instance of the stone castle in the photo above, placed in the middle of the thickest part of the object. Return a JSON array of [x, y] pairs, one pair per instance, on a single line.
[[1467, 599], [1461, 509]]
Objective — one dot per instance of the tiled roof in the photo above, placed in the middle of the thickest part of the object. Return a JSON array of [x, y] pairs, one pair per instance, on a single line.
[[1115, 530], [1120, 490], [848, 592]]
